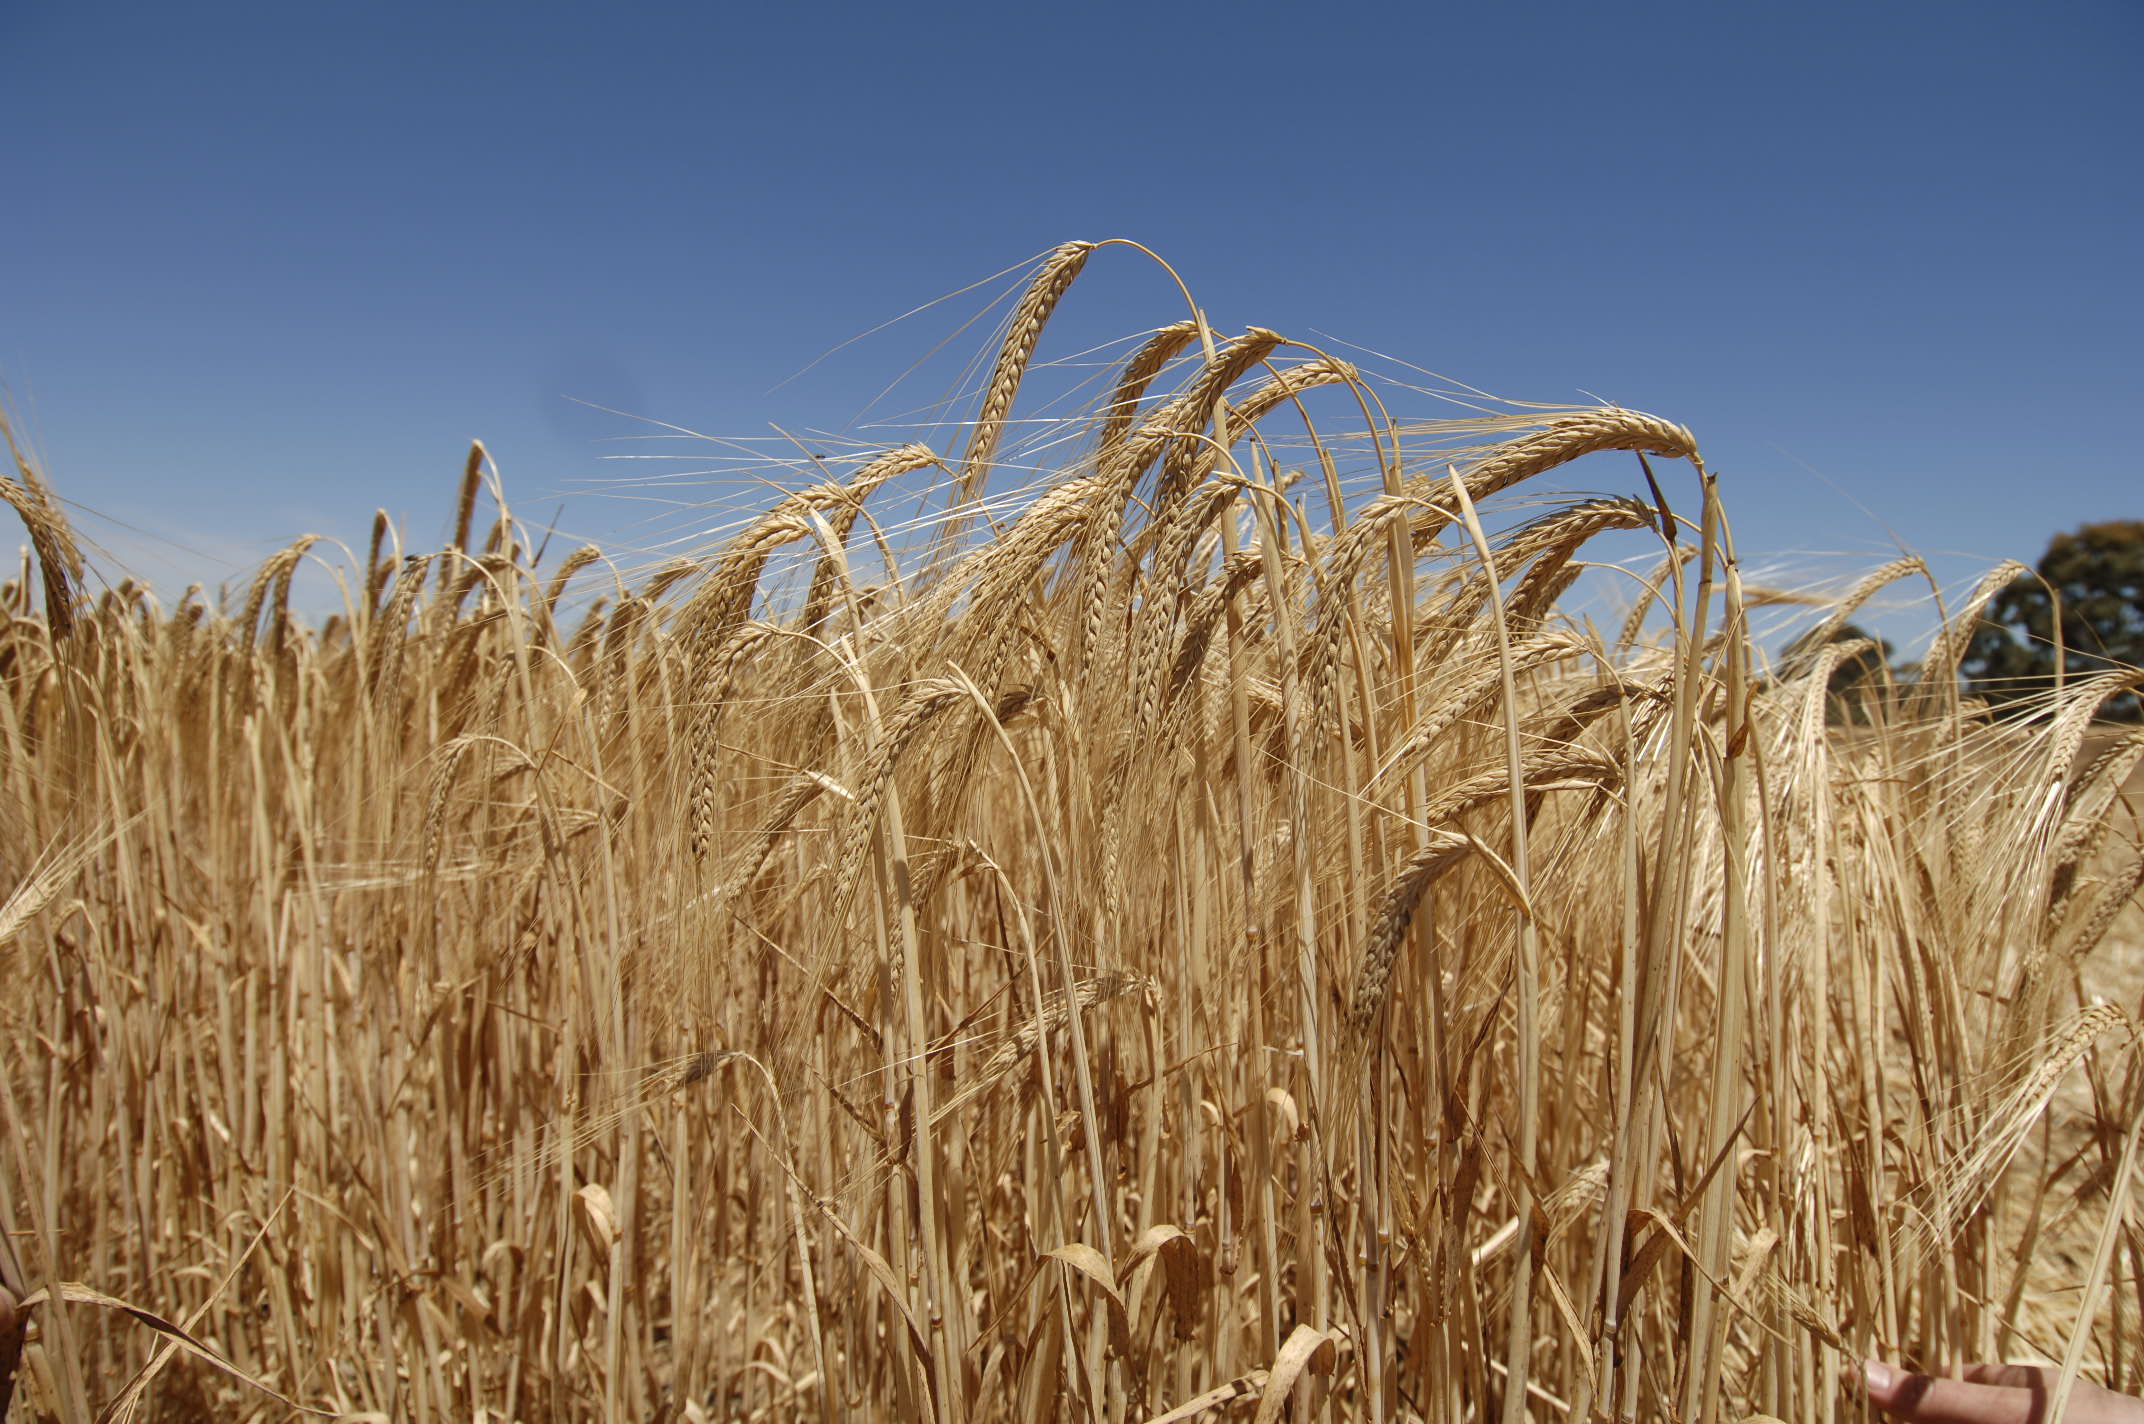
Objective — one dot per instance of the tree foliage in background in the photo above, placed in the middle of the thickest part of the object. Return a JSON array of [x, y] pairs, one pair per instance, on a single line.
[[2085, 605]]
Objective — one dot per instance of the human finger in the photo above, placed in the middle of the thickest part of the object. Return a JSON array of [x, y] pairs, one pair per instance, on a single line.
[[1923, 1399], [2011, 1376]]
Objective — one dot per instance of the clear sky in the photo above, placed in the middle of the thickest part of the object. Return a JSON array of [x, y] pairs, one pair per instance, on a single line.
[[266, 267]]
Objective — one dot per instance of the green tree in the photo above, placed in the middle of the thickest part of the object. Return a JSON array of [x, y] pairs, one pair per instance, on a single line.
[[2086, 599]]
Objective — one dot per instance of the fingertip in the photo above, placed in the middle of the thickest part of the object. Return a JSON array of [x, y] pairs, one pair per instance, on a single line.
[[1878, 1378]]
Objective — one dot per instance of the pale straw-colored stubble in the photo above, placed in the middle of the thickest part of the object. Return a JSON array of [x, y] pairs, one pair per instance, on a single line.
[[1158, 947]]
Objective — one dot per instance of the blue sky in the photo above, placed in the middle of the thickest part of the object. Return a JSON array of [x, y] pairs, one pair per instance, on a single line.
[[266, 267]]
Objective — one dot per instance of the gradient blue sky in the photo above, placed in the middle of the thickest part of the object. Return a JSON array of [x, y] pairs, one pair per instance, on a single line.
[[266, 267]]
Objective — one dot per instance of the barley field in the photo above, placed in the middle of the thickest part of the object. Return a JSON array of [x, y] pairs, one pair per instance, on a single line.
[[1167, 911]]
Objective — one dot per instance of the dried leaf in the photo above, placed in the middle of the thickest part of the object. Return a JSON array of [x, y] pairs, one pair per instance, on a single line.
[[1095, 1266], [1304, 1349], [75, 1293], [598, 1219]]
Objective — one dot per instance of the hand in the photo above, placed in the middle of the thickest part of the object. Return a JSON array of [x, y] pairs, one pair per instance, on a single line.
[[1993, 1394]]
